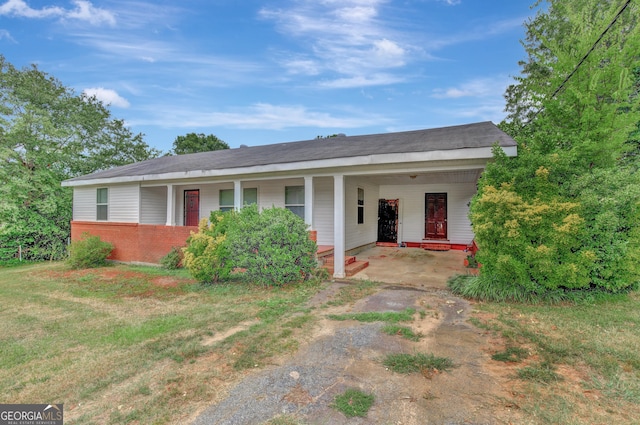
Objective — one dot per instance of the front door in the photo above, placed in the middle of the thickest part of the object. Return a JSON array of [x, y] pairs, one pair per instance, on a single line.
[[388, 220], [191, 207], [435, 220]]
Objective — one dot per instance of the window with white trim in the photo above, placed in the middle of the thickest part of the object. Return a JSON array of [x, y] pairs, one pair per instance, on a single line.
[[226, 199], [102, 204], [249, 197], [360, 205], [294, 200]]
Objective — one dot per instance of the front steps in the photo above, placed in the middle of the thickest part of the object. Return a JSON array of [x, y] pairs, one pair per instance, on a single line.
[[351, 264]]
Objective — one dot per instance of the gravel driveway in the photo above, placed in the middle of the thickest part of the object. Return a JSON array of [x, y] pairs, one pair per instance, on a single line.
[[348, 354]]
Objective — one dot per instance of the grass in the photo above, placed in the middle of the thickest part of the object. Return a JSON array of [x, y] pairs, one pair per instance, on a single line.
[[405, 315], [590, 347], [125, 344], [403, 331], [410, 363], [511, 354], [353, 402]]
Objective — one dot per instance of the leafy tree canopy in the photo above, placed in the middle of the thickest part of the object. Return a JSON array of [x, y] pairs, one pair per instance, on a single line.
[[48, 133], [194, 143], [563, 216]]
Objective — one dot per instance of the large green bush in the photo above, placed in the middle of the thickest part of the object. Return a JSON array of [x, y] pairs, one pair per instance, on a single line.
[[267, 248], [89, 251], [273, 246], [206, 254], [546, 232]]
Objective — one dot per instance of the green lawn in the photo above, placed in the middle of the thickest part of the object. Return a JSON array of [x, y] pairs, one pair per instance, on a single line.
[[135, 345], [127, 344], [582, 362]]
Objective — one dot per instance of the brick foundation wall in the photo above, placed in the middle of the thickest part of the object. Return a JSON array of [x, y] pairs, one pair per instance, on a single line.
[[133, 242]]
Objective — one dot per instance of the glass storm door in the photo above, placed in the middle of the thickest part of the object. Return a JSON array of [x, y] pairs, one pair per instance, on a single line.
[[388, 220]]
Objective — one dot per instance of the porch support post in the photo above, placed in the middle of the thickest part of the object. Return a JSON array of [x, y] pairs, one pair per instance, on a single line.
[[171, 210], [338, 226], [308, 201], [237, 195]]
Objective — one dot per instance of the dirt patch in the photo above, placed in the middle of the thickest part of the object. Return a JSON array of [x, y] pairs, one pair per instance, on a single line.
[[349, 354]]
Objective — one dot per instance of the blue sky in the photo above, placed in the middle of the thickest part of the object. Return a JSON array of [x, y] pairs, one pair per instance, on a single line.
[[259, 72]]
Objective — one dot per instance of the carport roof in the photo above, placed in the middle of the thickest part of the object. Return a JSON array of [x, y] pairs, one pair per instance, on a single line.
[[476, 135]]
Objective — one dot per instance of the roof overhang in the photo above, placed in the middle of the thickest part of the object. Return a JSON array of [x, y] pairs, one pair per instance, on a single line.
[[437, 160]]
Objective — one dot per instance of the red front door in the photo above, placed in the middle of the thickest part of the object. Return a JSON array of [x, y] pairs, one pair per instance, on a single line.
[[191, 207], [435, 221]]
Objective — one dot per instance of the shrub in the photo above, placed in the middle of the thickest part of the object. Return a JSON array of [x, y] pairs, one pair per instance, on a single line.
[[273, 246], [89, 251], [173, 260], [205, 255]]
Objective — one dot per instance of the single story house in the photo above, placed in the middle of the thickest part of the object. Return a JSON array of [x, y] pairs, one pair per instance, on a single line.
[[411, 188]]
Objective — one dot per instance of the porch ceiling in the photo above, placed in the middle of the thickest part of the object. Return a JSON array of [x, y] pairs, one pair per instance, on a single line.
[[437, 177]]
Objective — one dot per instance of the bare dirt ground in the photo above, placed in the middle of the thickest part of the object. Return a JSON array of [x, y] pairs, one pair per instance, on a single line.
[[348, 354]]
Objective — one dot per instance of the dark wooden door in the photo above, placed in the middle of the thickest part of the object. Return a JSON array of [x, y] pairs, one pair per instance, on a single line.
[[435, 220], [388, 220], [191, 207]]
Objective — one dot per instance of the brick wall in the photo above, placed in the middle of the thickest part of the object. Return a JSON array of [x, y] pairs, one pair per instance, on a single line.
[[134, 242]]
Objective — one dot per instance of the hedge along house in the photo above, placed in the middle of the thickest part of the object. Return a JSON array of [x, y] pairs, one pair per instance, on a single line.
[[411, 188]]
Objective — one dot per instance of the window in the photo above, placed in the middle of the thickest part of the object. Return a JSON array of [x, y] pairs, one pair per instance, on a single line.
[[249, 196], [102, 204], [226, 200], [360, 205], [294, 200]]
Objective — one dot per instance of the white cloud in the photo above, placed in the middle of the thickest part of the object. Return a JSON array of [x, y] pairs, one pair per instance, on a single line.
[[360, 81], [347, 37], [22, 9], [107, 96], [84, 11], [261, 116], [6, 35], [479, 87]]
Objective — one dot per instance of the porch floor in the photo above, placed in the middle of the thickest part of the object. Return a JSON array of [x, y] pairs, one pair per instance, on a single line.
[[411, 266]]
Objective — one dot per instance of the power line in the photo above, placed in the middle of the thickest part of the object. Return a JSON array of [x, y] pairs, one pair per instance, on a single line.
[[591, 49]]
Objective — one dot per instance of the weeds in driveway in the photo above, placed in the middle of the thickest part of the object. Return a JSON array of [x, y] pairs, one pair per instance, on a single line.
[[405, 315], [421, 362], [353, 402], [403, 331]]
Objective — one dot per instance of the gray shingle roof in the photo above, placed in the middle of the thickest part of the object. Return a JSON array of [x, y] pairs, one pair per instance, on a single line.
[[477, 135]]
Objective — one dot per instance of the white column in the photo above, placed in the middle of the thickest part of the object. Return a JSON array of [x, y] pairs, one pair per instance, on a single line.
[[338, 226], [308, 201], [237, 195], [171, 210]]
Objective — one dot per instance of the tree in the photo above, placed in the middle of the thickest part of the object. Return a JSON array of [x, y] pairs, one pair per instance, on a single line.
[[194, 143], [48, 134], [563, 217]]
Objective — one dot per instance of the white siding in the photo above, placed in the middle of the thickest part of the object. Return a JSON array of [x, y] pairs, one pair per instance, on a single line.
[[360, 234], [323, 209], [84, 203], [124, 203], [271, 192], [153, 205], [411, 227]]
